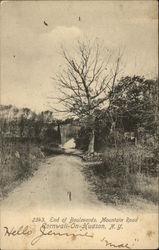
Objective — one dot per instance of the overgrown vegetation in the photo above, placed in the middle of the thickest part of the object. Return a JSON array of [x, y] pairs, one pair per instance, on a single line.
[[126, 132], [24, 123], [19, 160], [25, 138], [123, 175]]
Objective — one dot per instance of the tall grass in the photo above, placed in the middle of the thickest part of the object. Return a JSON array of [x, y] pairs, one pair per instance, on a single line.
[[131, 159], [125, 172], [18, 161]]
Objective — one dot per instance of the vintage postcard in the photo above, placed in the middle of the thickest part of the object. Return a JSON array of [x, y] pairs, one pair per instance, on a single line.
[[79, 125]]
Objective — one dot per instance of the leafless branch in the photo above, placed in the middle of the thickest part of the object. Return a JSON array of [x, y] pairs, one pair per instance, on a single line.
[[85, 81]]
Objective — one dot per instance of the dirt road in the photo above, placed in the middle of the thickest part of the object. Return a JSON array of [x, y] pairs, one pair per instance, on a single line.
[[51, 186], [45, 196]]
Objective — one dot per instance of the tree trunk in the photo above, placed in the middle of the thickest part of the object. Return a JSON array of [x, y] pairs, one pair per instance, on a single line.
[[91, 143]]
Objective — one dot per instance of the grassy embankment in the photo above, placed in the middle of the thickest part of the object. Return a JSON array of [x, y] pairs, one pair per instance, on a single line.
[[19, 160], [125, 175]]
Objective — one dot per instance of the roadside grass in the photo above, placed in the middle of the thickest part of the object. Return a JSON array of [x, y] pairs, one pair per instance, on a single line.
[[146, 187], [19, 160], [124, 175]]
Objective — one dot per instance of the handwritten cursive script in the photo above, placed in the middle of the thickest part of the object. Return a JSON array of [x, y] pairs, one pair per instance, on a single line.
[[44, 232], [22, 230], [26, 230], [110, 244]]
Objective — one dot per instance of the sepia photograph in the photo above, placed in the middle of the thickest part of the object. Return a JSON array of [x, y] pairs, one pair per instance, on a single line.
[[79, 125]]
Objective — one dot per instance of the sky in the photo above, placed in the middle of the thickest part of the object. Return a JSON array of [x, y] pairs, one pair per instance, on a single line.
[[30, 49]]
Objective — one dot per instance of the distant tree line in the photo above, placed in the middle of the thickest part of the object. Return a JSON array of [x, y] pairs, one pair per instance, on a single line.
[[26, 124]]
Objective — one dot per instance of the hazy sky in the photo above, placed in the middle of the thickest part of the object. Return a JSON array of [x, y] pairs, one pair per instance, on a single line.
[[29, 49]]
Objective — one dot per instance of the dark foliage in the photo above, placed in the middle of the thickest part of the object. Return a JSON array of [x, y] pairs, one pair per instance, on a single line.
[[132, 109], [23, 123]]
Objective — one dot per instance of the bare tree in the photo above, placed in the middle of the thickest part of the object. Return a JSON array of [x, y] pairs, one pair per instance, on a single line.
[[85, 82]]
